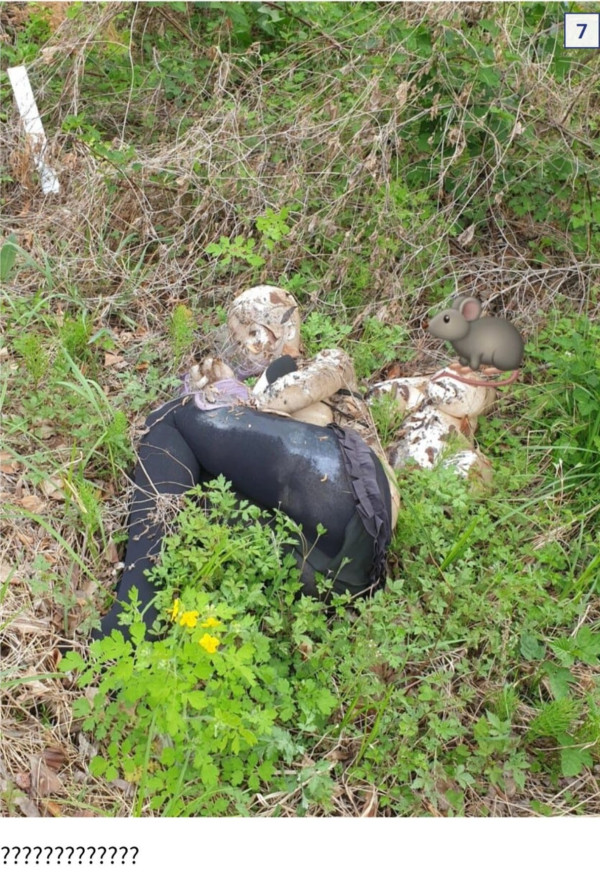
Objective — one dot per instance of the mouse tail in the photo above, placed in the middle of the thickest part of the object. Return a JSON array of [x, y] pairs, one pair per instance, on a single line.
[[455, 377]]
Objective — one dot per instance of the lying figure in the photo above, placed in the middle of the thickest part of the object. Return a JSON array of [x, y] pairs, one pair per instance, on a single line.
[[302, 440]]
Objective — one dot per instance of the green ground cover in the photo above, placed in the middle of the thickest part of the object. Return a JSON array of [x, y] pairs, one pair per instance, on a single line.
[[374, 159]]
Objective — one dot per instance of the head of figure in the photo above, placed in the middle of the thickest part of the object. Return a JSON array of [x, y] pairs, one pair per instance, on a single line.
[[263, 324]]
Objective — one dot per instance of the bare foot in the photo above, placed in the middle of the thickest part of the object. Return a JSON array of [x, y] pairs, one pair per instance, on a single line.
[[491, 371], [465, 369], [457, 367]]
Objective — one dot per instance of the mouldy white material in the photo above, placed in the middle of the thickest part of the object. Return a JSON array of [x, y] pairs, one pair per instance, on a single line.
[[408, 392], [460, 399], [471, 465], [435, 413], [424, 436]]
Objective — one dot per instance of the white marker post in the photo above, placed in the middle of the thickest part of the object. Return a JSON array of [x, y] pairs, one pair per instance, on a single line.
[[19, 80]]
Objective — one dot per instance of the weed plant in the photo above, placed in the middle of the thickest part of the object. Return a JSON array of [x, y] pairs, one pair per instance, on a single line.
[[246, 680], [200, 718]]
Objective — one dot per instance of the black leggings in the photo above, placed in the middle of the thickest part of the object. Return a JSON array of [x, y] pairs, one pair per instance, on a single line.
[[274, 461]]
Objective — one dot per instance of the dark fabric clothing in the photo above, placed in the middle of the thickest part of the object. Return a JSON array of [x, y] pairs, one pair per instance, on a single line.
[[316, 475], [372, 496]]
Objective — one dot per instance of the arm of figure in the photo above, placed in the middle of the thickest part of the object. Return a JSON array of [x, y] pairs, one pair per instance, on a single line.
[[301, 393], [324, 375]]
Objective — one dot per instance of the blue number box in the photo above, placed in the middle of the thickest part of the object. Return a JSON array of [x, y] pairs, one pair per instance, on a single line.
[[582, 30]]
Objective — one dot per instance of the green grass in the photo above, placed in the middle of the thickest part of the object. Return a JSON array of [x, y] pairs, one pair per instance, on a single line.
[[342, 159]]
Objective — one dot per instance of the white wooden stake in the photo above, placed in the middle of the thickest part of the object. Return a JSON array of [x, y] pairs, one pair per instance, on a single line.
[[19, 80]]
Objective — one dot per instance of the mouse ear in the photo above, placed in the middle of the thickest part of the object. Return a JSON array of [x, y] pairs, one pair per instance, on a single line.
[[458, 301], [470, 309]]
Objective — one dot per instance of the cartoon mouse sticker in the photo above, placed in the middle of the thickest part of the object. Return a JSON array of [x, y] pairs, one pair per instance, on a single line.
[[488, 340]]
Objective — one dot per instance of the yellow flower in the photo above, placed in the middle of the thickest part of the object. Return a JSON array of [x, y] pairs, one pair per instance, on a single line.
[[211, 622], [174, 611], [189, 618], [209, 643]]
